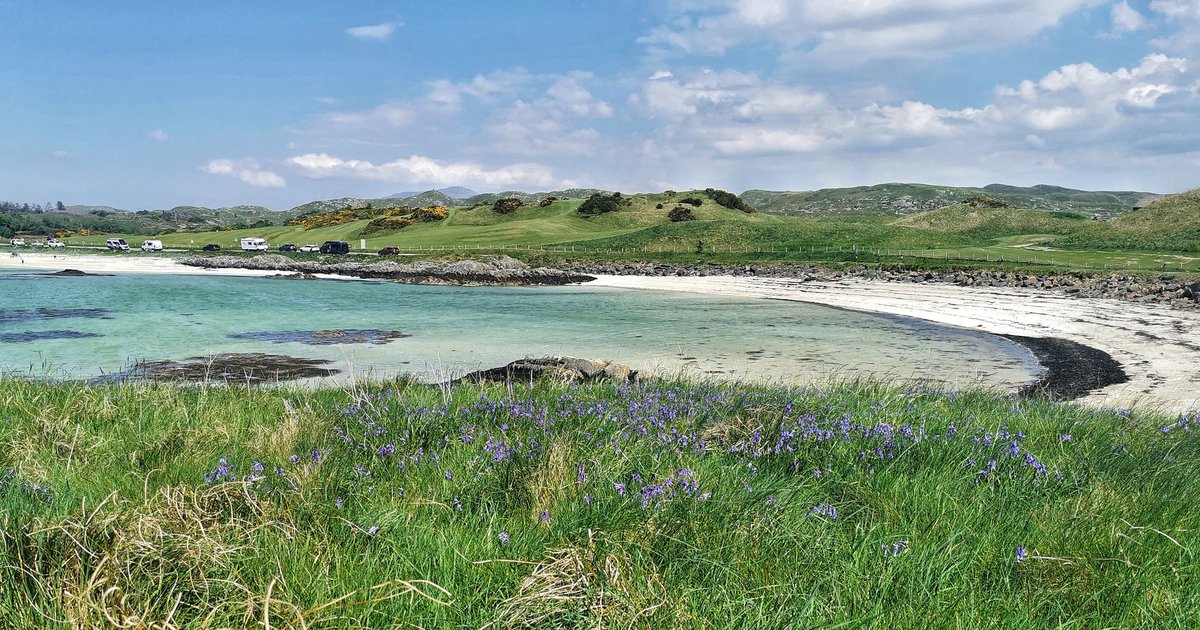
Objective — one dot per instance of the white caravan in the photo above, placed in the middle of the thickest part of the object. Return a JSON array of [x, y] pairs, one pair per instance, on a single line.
[[152, 246], [254, 244]]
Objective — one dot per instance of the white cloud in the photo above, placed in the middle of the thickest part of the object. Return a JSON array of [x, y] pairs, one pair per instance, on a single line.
[[375, 32], [855, 32], [443, 99], [419, 169], [1097, 125], [1186, 15], [247, 170], [159, 135], [1126, 19]]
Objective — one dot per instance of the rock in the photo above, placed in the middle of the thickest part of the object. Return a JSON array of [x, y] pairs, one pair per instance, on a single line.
[[570, 369], [325, 337], [1192, 291], [242, 368]]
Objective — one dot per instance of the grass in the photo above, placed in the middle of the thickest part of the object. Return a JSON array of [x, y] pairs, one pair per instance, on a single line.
[[1163, 237], [660, 505]]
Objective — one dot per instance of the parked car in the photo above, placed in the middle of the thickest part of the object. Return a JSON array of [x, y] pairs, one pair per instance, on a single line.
[[117, 244], [152, 246], [310, 249], [17, 242], [335, 247], [53, 242], [287, 247], [211, 247], [390, 250]]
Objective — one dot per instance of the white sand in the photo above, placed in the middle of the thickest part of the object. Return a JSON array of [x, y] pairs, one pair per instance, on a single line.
[[126, 262], [1158, 347]]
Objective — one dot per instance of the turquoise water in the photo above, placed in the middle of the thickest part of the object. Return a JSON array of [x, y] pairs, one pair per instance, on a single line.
[[457, 329]]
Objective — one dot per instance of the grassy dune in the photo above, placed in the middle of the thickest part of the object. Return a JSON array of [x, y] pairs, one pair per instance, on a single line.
[[1162, 237], [665, 505]]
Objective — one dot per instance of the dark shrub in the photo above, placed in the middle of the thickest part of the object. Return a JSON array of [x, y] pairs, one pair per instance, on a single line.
[[729, 200], [692, 201], [983, 201], [658, 207], [508, 205], [599, 204], [547, 201], [681, 213]]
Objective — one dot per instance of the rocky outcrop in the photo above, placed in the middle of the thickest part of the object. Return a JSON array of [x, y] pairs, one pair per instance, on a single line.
[[251, 368], [340, 336], [569, 369], [1165, 289], [489, 270]]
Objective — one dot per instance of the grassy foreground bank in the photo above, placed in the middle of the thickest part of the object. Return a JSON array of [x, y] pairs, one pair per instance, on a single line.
[[670, 504]]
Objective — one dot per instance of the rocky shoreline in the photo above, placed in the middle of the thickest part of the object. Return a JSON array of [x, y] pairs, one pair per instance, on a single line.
[[488, 271], [1166, 289]]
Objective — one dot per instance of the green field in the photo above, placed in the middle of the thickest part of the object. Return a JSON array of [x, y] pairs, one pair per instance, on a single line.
[[665, 505], [1165, 236]]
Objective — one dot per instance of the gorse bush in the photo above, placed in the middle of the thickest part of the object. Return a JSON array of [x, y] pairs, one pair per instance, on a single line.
[[508, 205], [729, 200], [600, 203], [681, 213]]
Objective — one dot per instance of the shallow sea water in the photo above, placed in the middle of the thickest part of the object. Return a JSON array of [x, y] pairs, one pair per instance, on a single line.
[[457, 329]]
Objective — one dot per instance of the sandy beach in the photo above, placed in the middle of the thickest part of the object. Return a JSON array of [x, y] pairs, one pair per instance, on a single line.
[[1157, 347], [128, 262]]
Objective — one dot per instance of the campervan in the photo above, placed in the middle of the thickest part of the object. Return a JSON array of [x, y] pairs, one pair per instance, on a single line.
[[254, 244], [152, 246], [117, 244]]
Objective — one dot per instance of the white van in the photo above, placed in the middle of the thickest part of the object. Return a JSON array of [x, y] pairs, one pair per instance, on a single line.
[[17, 242], [117, 244], [254, 244], [152, 246]]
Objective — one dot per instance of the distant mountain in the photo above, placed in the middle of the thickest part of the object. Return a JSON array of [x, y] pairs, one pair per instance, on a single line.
[[902, 199], [453, 192]]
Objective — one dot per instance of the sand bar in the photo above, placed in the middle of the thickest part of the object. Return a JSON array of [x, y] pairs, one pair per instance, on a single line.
[[1158, 347]]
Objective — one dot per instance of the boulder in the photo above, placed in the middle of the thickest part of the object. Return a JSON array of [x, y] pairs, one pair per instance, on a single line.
[[570, 369]]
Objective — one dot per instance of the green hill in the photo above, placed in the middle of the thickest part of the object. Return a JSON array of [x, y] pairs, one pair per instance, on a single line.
[[1169, 224], [977, 222], [901, 199]]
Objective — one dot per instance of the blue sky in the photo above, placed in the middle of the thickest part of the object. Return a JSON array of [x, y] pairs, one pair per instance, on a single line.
[[156, 104]]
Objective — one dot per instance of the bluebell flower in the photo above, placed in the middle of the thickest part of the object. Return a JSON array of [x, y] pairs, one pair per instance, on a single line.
[[1021, 553]]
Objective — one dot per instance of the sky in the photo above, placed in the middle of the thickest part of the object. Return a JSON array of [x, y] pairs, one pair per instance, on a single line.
[[143, 105]]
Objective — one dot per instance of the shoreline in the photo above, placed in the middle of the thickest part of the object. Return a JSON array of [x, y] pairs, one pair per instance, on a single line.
[[1100, 352], [1154, 347]]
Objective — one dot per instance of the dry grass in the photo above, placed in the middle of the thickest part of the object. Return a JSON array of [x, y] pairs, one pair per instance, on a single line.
[[121, 564], [583, 587], [551, 480]]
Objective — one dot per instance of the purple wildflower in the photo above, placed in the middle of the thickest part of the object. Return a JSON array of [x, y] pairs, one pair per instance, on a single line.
[[1021, 553], [503, 538], [824, 509]]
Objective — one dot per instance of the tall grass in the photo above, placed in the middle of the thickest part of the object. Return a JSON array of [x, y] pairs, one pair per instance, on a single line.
[[668, 504]]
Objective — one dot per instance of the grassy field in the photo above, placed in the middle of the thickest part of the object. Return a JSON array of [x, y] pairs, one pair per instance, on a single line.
[[664, 505], [1163, 237]]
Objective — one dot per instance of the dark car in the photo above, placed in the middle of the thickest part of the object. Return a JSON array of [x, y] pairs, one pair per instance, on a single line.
[[287, 247], [335, 247], [211, 247], [389, 251]]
